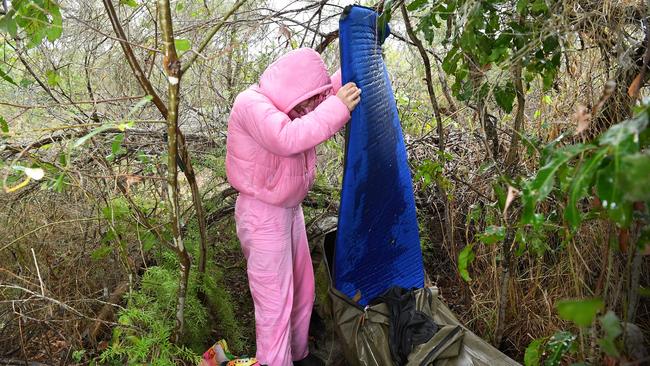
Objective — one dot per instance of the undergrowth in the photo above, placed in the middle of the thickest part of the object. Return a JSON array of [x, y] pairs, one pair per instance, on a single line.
[[147, 321]]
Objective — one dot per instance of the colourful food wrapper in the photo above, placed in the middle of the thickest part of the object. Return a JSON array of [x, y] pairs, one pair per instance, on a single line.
[[216, 355]]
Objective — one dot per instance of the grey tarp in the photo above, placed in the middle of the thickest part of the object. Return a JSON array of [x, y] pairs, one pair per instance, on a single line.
[[363, 332]]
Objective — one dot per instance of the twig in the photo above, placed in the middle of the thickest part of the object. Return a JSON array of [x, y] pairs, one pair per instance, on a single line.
[[211, 34], [55, 301], [47, 225], [43, 106], [115, 38], [38, 272], [130, 57]]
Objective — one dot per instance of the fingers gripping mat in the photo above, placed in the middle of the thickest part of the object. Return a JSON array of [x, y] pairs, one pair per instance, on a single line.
[[378, 244]]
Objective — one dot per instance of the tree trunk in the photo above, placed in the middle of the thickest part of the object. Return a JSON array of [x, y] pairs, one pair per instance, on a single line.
[[172, 67], [449, 227]]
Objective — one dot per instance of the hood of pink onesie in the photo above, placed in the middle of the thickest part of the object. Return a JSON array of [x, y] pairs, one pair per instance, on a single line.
[[295, 77]]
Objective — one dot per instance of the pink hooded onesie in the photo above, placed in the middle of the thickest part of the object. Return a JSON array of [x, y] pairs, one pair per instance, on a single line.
[[271, 161]]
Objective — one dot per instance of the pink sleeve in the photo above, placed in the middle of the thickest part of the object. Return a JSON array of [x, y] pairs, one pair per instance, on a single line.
[[277, 133], [337, 82]]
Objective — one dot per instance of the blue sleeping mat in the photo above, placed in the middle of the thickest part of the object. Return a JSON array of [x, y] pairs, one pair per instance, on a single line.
[[377, 244]]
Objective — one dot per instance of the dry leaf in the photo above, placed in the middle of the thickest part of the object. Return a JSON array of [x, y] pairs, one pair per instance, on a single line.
[[512, 194], [610, 86], [131, 179], [284, 30], [633, 90], [623, 239], [583, 118]]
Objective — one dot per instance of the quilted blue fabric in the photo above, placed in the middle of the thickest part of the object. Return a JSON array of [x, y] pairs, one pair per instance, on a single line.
[[378, 244]]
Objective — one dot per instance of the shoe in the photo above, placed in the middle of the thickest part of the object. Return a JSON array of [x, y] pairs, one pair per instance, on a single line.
[[310, 360]]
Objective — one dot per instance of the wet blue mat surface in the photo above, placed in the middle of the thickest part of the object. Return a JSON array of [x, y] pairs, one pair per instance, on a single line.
[[378, 244]]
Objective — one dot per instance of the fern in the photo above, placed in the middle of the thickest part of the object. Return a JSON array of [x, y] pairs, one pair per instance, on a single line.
[[143, 336]]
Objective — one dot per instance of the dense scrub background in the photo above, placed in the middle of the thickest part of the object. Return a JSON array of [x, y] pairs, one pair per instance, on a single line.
[[527, 137]]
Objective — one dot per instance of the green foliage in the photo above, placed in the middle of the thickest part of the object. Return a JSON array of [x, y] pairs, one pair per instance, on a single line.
[[6, 76], [505, 96], [557, 346], [493, 234], [465, 258], [39, 19], [148, 320], [488, 34], [53, 78], [4, 126], [549, 350], [636, 178], [581, 312], [430, 171], [611, 326], [143, 336], [383, 19], [615, 169], [131, 3], [116, 147], [78, 355], [182, 45], [539, 188], [533, 352]]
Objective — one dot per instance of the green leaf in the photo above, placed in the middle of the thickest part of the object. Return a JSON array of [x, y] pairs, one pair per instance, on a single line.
[[101, 252], [6, 77], [580, 184], [501, 194], [4, 126], [534, 352], [82, 140], [59, 183], [131, 3], [182, 45], [475, 213], [117, 143], [635, 177], [629, 129], [55, 31], [493, 234], [468, 40], [416, 4], [465, 258], [505, 97], [581, 312], [610, 194], [383, 19], [498, 53], [611, 326], [148, 241], [53, 78], [539, 6], [521, 6], [559, 344], [8, 24], [542, 185], [38, 18]]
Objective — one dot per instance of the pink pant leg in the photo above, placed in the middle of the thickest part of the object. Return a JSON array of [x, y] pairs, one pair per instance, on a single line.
[[266, 238], [303, 288]]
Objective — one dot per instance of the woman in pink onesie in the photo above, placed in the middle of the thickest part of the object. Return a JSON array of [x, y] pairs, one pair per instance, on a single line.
[[273, 130]]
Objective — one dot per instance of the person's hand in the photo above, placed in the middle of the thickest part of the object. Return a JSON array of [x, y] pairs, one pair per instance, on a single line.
[[350, 95]]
